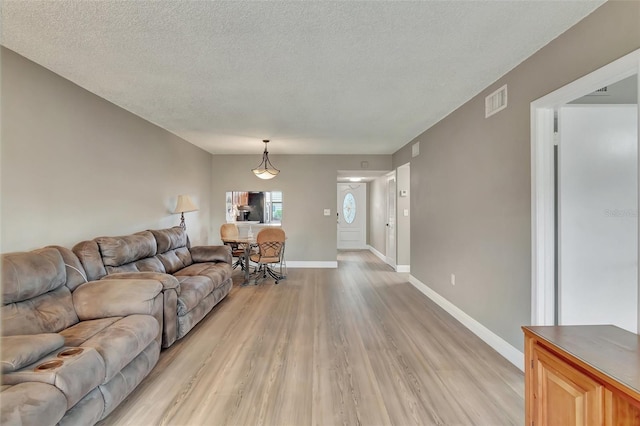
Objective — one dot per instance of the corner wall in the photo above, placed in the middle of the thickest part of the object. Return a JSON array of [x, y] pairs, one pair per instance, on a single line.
[[471, 183], [74, 166]]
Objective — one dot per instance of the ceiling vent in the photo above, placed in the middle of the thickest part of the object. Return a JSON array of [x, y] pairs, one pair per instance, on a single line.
[[497, 101]]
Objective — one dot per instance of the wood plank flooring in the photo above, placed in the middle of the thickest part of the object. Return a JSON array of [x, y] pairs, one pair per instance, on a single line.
[[356, 345]]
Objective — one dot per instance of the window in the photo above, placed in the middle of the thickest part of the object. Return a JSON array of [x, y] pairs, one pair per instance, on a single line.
[[349, 208], [274, 206]]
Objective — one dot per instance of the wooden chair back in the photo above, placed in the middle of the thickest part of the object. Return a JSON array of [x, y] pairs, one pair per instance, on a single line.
[[270, 242], [229, 230]]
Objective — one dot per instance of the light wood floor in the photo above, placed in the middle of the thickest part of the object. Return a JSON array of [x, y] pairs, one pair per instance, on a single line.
[[347, 346]]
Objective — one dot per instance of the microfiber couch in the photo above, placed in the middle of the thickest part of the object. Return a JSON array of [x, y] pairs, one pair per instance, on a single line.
[[194, 279], [72, 350]]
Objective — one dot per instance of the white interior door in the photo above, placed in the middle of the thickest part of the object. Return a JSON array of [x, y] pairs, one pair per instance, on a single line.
[[598, 215], [352, 216], [391, 221]]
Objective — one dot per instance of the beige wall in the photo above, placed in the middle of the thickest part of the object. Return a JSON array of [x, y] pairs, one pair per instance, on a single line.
[[74, 166], [308, 185], [471, 185], [403, 223], [378, 214]]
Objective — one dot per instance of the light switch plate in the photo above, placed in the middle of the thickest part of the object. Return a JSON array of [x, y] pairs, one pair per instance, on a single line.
[[327, 212], [406, 212]]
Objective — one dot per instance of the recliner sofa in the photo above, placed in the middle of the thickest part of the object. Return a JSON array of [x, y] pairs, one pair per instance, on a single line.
[[72, 350], [194, 279]]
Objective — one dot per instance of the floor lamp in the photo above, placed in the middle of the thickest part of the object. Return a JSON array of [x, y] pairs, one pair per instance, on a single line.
[[183, 206]]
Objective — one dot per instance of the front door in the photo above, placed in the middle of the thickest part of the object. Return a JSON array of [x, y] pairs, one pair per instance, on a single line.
[[352, 216]]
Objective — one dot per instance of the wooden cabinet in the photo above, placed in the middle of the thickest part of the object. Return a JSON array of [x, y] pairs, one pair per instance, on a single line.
[[581, 375]]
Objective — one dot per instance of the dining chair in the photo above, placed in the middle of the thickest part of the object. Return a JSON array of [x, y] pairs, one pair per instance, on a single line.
[[270, 242], [230, 231]]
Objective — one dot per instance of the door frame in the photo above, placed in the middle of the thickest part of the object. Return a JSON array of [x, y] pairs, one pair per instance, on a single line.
[[391, 258], [542, 178]]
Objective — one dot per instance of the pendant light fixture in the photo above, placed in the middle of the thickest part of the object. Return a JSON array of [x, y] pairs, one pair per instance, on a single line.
[[265, 170]]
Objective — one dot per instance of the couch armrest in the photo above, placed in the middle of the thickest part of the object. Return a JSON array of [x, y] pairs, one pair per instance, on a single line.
[[31, 403], [21, 350], [167, 280], [211, 254], [114, 298]]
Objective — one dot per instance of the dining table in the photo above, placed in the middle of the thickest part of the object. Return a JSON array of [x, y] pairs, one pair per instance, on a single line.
[[248, 243]]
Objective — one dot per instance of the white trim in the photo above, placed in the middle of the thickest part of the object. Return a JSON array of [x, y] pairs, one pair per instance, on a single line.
[[403, 268], [542, 202], [311, 264], [378, 254], [392, 255], [501, 346], [542, 212], [398, 268]]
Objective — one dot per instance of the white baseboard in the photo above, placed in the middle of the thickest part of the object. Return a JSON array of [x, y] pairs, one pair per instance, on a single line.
[[377, 253], [385, 259], [513, 355], [403, 268], [311, 264]]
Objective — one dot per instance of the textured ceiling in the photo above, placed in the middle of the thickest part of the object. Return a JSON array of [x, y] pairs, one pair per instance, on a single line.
[[314, 77]]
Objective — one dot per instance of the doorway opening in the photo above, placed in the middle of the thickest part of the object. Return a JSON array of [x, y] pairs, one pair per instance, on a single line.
[[581, 180]]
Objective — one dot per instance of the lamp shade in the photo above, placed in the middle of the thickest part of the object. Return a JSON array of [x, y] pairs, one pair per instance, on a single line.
[[185, 205], [265, 169], [266, 173]]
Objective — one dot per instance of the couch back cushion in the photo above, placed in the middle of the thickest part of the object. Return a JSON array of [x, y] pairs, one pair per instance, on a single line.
[[35, 298], [173, 248], [76, 274], [118, 251], [88, 253], [30, 274], [130, 253]]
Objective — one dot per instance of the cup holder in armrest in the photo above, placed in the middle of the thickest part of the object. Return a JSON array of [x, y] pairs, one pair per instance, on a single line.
[[49, 365], [68, 353]]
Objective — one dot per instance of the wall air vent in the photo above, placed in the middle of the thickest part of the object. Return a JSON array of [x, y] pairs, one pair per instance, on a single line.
[[415, 149], [497, 101]]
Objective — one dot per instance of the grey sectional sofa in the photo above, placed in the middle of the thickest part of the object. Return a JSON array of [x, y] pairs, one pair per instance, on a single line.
[[194, 279], [72, 350], [82, 328]]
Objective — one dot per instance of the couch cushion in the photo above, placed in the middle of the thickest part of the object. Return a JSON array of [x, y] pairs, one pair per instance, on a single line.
[[88, 411], [117, 251], [84, 330], [169, 239], [30, 403], [88, 253], [122, 341], [149, 264], [47, 313], [29, 274], [76, 274], [175, 259], [18, 351], [192, 290], [117, 390], [216, 272]]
